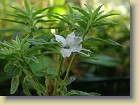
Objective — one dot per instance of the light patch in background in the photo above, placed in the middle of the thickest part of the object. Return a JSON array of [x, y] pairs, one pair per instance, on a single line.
[[53, 31]]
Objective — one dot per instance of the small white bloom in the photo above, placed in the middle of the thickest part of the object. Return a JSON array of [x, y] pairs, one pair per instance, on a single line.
[[71, 44]]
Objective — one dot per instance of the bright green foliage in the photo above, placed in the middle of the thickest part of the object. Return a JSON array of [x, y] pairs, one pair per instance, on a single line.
[[31, 55]]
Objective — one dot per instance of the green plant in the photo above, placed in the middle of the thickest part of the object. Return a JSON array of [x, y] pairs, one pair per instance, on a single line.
[[25, 54]]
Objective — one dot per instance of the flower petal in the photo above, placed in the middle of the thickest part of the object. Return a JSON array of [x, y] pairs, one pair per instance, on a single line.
[[60, 39], [84, 54], [65, 52], [70, 38], [78, 40], [76, 48]]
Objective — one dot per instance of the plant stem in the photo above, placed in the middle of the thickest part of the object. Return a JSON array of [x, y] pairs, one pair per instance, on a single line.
[[86, 31], [60, 66], [68, 69]]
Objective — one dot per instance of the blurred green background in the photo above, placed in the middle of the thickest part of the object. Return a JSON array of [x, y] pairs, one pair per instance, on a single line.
[[109, 72]]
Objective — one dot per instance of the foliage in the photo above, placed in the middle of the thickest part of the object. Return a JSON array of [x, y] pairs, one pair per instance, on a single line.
[[27, 55]]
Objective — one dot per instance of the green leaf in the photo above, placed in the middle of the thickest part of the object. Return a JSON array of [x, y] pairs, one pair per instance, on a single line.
[[16, 45], [51, 72], [25, 87], [20, 22], [18, 16], [112, 42], [23, 41], [41, 20], [95, 13], [70, 79], [8, 66], [17, 72], [27, 6], [77, 93], [40, 11], [82, 11], [19, 10], [106, 15], [6, 44], [81, 93], [89, 9], [51, 52], [102, 60], [108, 41], [94, 94], [14, 84], [62, 19], [34, 85], [97, 24], [33, 58], [70, 9], [82, 24], [15, 80]]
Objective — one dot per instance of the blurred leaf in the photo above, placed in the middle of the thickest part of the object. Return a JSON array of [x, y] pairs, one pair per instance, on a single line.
[[14, 84], [41, 20], [82, 11], [81, 93], [70, 9], [70, 79], [27, 6], [106, 15], [62, 19], [33, 58], [108, 41], [40, 11], [96, 13], [97, 24], [25, 87], [15, 80], [6, 44], [19, 10], [103, 60], [8, 66], [14, 21], [18, 16]]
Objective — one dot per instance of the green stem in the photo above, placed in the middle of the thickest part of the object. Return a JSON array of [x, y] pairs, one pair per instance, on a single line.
[[68, 69], [60, 66], [88, 27], [86, 31]]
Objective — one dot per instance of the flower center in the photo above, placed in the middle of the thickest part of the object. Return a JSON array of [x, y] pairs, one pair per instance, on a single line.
[[67, 47]]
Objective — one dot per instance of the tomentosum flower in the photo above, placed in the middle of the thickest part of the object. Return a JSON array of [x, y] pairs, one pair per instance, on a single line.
[[71, 44]]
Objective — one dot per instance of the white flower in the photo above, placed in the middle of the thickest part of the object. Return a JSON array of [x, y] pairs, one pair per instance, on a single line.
[[71, 44]]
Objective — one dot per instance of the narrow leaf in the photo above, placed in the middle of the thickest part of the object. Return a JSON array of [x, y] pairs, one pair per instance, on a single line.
[[19, 10], [96, 24], [18, 16], [95, 13], [25, 87], [14, 84], [40, 11], [38, 21], [70, 79], [8, 66], [20, 22], [82, 11], [62, 19], [106, 15], [108, 41], [33, 58], [27, 6], [70, 9]]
